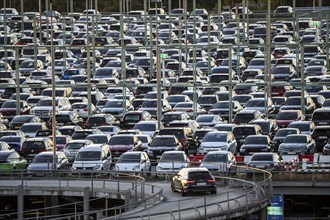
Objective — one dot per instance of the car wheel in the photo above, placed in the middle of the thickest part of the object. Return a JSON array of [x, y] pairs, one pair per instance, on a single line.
[[183, 193], [172, 187]]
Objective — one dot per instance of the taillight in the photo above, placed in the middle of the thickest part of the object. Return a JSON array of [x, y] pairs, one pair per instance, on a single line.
[[185, 182], [190, 110], [211, 181], [86, 109]]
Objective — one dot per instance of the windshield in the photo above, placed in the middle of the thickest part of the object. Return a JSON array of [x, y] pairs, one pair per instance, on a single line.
[[129, 158], [295, 139], [121, 140], [173, 157], [163, 142], [145, 127], [256, 140], [43, 159], [74, 146], [216, 158], [215, 137], [88, 155]]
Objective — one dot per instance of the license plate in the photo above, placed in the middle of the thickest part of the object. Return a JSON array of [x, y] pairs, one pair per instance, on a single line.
[[260, 166], [201, 184], [30, 155], [323, 123], [291, 152], [98, 45], [323, 137]]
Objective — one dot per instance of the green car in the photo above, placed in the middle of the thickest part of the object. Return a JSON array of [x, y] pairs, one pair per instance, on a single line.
[[11, 160]]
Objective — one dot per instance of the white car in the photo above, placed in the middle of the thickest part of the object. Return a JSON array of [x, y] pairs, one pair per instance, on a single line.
[[221, 160], [218, 140], [82, 109], [93, 157], [147, 127], [133, 162], [44, 107], [171, 162]]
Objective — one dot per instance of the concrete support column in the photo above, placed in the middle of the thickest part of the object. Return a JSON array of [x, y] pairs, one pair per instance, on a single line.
[[262, 214], [20, 202], [86, 202]]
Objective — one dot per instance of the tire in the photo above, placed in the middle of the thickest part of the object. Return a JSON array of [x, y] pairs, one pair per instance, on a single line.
[[172, 187], [183, 193]]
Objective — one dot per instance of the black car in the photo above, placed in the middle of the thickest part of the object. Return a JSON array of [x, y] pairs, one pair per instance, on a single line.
[[162, 143], [321, 134], [281, 134], [130, 118], [194, 180], [96, 120], [19, 120], [256, 143], [184, 135]]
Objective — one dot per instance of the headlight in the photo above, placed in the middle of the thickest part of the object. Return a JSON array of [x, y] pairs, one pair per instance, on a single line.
[[159, 168], [97, 167], [73, 167], [137, 167], [150, 152], [116, 167], [29, 167]]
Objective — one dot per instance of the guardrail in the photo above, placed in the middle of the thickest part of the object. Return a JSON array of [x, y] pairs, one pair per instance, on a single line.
[[96, 183]]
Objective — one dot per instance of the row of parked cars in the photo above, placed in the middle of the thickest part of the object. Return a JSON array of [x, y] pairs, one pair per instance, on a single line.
[[212, 95]]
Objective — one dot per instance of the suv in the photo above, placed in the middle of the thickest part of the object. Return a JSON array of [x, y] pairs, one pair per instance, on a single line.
[[33, 146], [130, 118], [185, 136], [93, 157], [242, 131], [321, 134], [43, 109]]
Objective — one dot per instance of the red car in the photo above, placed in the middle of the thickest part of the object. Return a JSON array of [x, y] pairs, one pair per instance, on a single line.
[[8, 108], [285, 117]]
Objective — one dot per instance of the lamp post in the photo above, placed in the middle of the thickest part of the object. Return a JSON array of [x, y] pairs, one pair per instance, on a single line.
[[51, 15]]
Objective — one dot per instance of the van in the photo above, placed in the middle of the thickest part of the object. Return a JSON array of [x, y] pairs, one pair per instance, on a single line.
[[93, 157]]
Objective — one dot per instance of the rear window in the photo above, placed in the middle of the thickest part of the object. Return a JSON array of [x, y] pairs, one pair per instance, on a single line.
[[199, 175], [321, 116]]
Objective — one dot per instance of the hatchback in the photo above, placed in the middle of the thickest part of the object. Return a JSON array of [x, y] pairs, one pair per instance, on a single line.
[[171, 162], [44, 161], [33, 146], [218, 140], [301, 144], [193, 180], [256, 143], [133, 162]]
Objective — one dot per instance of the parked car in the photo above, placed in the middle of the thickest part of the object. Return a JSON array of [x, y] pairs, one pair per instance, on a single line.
[[33, 146], [72, 147], [301, 144], [256, 143], [193, 180], [218, 140], [121, 143], [11, 160], [221, 161], [171, 162], [44, 161], [93, 157], [133, 162], [267, 161], [163, 143], [281, 134]]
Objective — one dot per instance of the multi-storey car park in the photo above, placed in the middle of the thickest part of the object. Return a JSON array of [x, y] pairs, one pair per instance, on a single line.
[[173, 59]]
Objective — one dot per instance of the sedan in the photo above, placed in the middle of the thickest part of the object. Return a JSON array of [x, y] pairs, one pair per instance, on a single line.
[[266, 161], [193, 180], [256, 143], [133, 162], [208, 120], [301, 144], [44, 161]]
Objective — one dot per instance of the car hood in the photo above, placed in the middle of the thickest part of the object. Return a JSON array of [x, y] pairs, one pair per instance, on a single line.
[[171, 164], [293, 145], [121, 147], [126, 166], [41, 166]]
